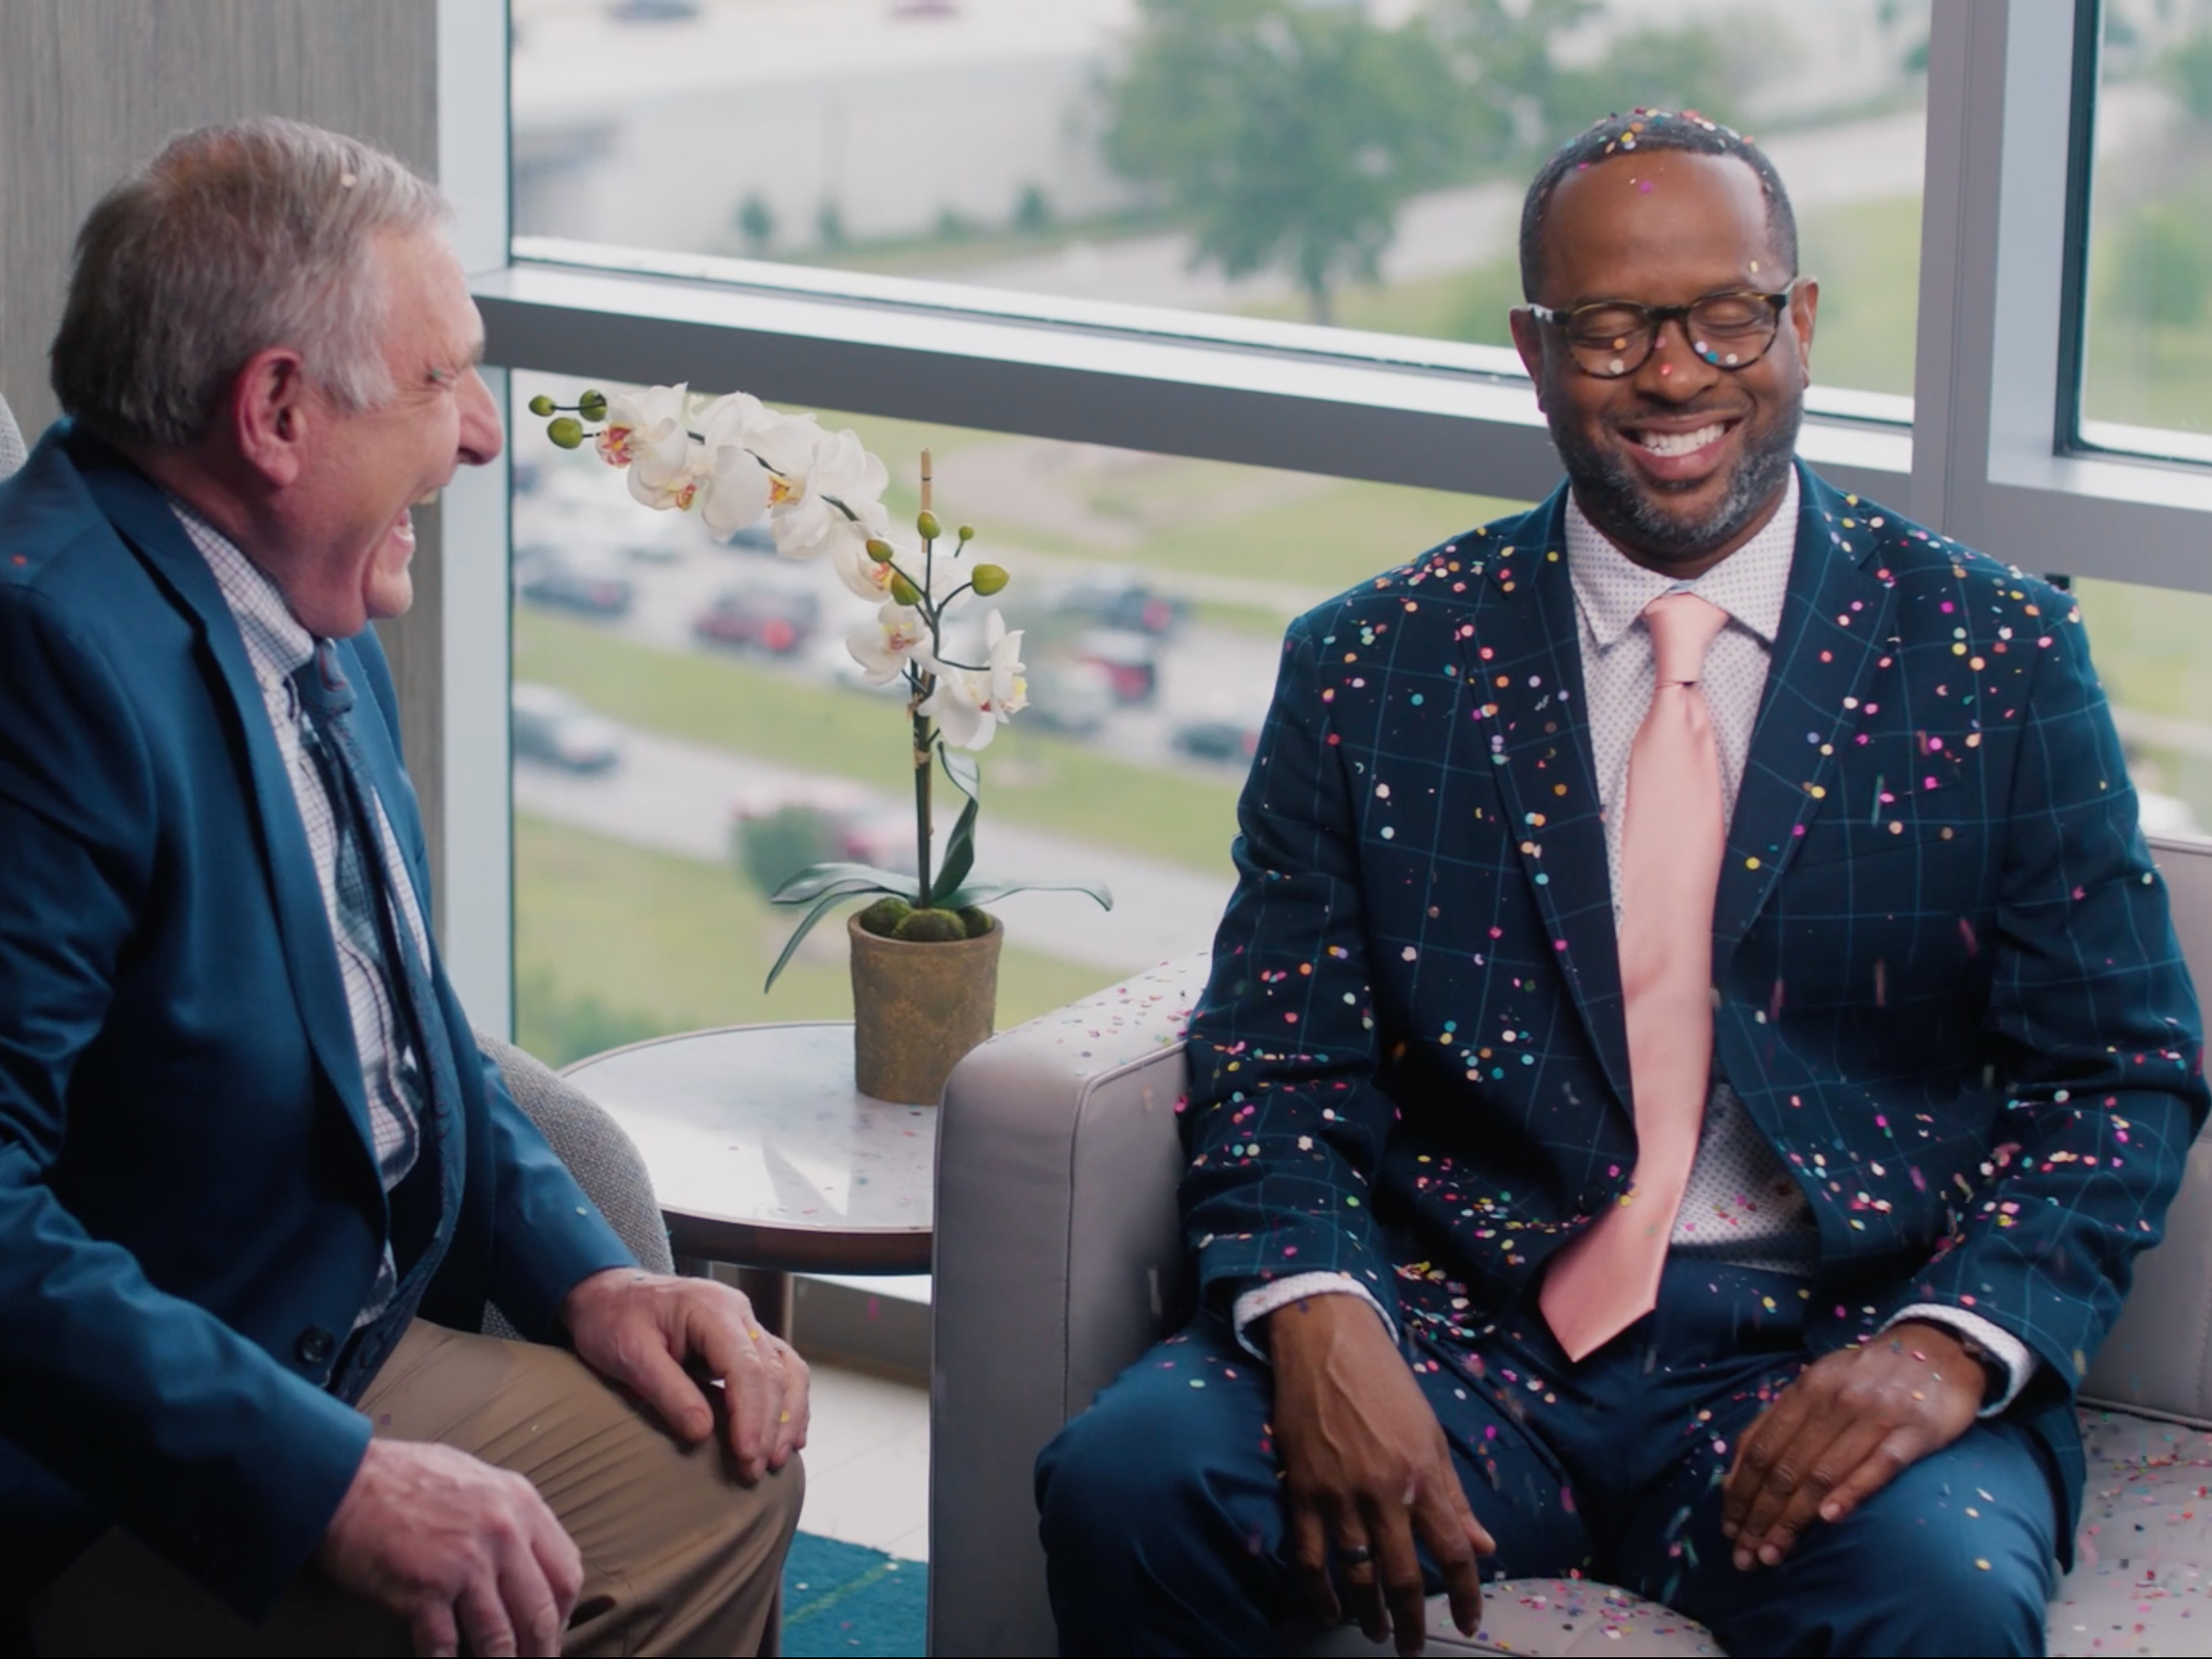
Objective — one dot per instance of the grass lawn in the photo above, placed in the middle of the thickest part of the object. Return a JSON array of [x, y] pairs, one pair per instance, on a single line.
[[614, 944], [1030, 777], [1329, 539]]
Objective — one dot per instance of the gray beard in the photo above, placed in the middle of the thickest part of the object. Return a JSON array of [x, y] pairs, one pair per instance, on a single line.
[[1615, 502]]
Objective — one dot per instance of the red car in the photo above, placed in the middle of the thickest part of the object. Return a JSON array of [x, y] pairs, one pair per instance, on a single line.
[[759, 619]]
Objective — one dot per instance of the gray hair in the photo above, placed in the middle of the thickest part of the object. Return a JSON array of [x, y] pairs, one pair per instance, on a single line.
[[234, 239]]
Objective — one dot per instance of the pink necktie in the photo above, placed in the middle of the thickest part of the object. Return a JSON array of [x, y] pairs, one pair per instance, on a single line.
[[1604, 1281]]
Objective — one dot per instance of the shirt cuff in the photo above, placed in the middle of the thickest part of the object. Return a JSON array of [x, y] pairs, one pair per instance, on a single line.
[[1263, 1300], [2002, 1345]]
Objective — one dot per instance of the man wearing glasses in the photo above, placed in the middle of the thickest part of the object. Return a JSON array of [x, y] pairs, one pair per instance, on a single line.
[[1695, 1046]]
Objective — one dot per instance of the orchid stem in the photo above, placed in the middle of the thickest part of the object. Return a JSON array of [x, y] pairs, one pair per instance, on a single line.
[[923, 742]]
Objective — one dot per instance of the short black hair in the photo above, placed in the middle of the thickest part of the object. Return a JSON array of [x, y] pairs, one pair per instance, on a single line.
[[1638, 130]]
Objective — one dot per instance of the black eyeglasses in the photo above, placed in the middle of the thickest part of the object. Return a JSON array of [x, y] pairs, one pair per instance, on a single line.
[[1731, 329]]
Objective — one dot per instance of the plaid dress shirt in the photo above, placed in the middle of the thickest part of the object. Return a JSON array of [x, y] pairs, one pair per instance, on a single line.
[[276, 645]]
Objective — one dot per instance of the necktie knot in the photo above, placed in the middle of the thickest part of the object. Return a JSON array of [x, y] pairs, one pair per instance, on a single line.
[[322, 685], [1683, 627]]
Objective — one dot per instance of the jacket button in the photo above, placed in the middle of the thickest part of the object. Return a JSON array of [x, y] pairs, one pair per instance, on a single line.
[[316, 1345]]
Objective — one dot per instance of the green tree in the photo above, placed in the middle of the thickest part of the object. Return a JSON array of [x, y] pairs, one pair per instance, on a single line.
[[1521, 102], [1287, 135], [756, 223], [2186, 66]]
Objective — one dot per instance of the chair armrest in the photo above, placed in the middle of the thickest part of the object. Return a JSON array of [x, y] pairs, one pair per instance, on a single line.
[[1058, 1261], [2159, 1358]]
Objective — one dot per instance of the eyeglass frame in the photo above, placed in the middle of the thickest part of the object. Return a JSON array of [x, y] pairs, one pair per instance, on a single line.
[[1658, 316]]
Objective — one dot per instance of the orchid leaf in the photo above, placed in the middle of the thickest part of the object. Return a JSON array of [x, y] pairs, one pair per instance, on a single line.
[[990, 892], [961, 767], [821, 907], [959, 847], [817, 879]]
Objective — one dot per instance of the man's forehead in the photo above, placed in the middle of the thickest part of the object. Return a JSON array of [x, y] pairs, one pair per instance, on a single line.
[[1659, 205]]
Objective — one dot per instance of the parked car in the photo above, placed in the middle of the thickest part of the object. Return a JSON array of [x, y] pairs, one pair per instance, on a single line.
[[1129, 660], [550, 725], [1127, 605], [1068, 696], [588, 581], [767, 619], [1229, 741]]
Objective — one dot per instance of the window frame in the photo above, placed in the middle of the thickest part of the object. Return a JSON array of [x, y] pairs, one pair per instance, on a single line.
[[1992, 454]]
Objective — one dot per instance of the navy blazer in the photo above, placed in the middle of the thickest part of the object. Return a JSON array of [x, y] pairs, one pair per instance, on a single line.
[[1946, 986], [191, 1215]]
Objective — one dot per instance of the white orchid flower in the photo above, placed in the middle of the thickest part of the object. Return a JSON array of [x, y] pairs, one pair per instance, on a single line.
[[738, 485], [862, 576], [648, 435], [1009, 686], [827, 491], [897, 637], [971, 704]]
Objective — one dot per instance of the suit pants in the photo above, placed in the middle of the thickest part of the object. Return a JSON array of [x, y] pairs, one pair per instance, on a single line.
[[678, 1557], [1163, 1531]]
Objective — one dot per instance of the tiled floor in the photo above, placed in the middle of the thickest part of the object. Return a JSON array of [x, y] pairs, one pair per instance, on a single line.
[[867, 1461]]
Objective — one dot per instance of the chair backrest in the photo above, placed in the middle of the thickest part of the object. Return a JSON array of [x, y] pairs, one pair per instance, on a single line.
[[2159, 1358], [604, 1160], [12, 450]]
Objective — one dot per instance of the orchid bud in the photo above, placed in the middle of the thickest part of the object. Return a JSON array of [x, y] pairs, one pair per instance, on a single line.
[[567, 432], [881, 551], [926, 522], [592, 405], [904, 591], [988, 579], [542, 405], [967, 534]]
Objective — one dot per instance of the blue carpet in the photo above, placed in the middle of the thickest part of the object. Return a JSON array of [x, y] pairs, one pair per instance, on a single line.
[[844, 1598]]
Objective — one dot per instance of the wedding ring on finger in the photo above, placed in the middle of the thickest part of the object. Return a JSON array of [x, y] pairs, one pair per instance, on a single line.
[[1356, 1555]]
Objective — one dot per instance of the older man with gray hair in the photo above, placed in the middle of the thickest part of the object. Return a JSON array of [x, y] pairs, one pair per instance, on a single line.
[[257, 1182]]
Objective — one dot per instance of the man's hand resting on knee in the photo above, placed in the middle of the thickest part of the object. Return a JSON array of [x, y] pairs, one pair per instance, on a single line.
[[1367, 1470], [459, 1549], [1842, 1431], [637, 1329]]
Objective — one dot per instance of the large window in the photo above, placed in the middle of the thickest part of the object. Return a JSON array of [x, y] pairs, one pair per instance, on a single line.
[[2147, 359], [1356, 164], [690, 728], [1002, 221]]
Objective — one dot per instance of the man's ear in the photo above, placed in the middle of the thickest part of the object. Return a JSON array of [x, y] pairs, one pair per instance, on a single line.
[[270, 414], [1805, 306], [1527, 340]]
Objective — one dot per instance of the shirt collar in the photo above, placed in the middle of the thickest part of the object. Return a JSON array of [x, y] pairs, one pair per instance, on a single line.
[[1611, 590], [277, 644]]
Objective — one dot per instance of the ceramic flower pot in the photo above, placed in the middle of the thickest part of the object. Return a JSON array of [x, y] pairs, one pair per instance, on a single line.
[[917, 1008]]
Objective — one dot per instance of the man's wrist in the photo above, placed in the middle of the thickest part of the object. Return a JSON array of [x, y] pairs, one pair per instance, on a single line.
[[1996, 1376]]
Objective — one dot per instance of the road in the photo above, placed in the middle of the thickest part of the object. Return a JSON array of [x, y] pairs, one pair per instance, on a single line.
[[679, 797], [1205, 673]]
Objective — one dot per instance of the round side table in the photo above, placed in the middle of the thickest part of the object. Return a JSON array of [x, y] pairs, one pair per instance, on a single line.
[[764, 1155]]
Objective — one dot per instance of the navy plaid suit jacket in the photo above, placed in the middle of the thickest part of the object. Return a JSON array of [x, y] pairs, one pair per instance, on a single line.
[[1946, 983]]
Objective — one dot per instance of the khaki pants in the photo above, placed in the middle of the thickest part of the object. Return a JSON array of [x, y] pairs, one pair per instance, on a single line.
[[678, 1557]]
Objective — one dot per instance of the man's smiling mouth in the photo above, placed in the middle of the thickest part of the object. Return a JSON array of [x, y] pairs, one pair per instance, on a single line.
[[1680, 444]]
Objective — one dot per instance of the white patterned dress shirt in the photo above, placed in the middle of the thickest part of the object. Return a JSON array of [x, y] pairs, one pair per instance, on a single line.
[[276, 645], [1742, 1207]]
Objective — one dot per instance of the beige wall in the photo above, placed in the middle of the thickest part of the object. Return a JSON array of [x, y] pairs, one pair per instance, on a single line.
[[88, 87]]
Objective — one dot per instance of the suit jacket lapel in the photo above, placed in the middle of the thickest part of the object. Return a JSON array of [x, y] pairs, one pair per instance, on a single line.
[[1835, 614], [1525, 662], [140, 513]]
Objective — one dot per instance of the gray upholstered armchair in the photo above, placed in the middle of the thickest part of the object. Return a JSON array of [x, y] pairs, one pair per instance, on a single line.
[[604, 1160], [1059, 1261], [12, 450]]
